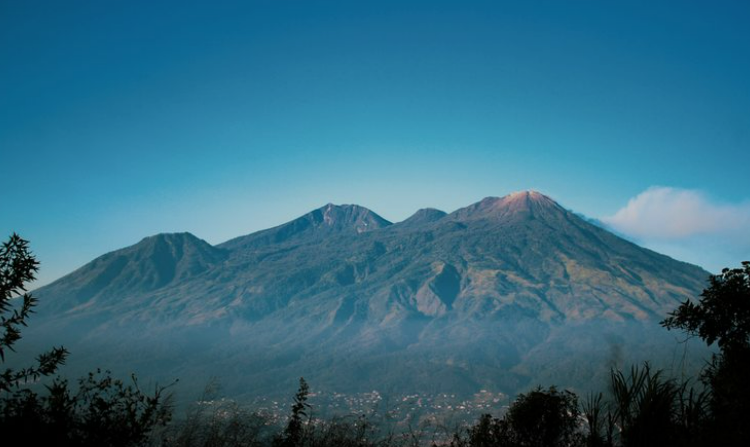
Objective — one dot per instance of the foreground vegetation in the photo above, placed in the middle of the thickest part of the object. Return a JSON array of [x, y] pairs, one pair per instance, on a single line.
[[642, 407]]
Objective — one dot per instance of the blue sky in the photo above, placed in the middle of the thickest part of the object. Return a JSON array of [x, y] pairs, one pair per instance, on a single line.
[[123, 119]]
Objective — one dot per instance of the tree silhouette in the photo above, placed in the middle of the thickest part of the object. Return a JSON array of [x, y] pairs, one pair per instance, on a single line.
[[293, 434], [18, 266], [545, 418], [722, 316], [102, 411], [540, 418]]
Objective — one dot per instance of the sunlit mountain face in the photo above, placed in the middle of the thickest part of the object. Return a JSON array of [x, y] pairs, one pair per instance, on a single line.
[[504, 294]]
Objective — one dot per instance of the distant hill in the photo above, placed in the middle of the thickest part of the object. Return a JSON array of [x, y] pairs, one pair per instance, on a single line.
[[502, 294]]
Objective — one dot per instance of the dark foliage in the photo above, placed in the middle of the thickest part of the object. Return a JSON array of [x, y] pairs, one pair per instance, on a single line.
[[722, 316], [545, 418], [100, 411], [18, 266], [215, 422], [293, 435], [600, 423], [648, 409], [538, 418], [346, 432], [488, 431]]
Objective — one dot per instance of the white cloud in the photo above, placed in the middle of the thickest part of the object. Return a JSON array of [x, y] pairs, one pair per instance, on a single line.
[[662, 213], [687, 225]]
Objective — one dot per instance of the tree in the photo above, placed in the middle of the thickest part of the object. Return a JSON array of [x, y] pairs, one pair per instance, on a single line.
[[18, 266], [545, 418], [646, 409], [722, 316], [293, 434], [102, 411], [540, 418]]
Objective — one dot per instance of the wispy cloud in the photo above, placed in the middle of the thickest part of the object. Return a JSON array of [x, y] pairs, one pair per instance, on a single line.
[[674, 213], [688, 225]]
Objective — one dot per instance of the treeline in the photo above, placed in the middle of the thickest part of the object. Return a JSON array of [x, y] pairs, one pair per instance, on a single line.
[[642, 407]]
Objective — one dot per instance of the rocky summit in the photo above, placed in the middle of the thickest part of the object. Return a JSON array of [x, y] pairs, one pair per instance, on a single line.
[[503, 294]]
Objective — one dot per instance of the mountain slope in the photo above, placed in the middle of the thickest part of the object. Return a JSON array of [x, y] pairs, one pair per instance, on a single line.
[[153, 263], [481, 294]]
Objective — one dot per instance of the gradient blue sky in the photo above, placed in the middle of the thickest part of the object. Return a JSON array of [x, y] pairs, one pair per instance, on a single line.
[[121, 119]]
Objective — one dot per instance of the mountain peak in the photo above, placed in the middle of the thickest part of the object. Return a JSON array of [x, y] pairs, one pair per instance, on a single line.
[[514, 204], [326, 220], [528, 198], [152, 263], [342, 217], [423, 216], [173, 244], [171, 238], [332, 212], [528, 194]]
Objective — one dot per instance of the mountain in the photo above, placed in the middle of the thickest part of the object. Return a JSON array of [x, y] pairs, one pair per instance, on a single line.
[[501, 294], [322, 222], [422, 217], [152, 264]]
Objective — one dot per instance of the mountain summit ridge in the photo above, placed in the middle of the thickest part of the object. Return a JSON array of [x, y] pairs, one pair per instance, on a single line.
[[320, 222], [511, 251], [506, 206]]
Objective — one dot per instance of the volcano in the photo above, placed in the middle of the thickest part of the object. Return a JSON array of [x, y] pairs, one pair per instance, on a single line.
[[506, 293]]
